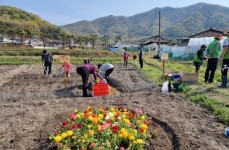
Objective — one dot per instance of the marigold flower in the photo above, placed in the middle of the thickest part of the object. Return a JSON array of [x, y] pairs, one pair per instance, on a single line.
[[86, 115], [75, 110], [91, 132], [131, 138], [78, 115], [144, 126], [69, 132], [89, 126], [88, 109], [94, 120], [99, 128], [57, 139], [112, 109], [64, 135], [100, 116], [143, 117], [85, 137], [139, 141]]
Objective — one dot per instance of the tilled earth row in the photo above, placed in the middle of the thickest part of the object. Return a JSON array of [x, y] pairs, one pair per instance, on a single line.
[[31, 104]]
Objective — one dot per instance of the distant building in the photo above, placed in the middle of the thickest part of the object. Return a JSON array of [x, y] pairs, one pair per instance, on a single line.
[[207, 33], [153, 42], [119, 46]]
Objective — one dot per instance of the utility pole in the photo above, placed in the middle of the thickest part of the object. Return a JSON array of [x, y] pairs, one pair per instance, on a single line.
[[159, 34]]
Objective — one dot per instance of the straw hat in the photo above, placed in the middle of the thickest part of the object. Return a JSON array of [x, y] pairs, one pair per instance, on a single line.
[[227, 33]]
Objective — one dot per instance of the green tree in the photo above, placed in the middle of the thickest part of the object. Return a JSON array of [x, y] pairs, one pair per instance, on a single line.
[[118, 38], [105, 39], [93, 38]]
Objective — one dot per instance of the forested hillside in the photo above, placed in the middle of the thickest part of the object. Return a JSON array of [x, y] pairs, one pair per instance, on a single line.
[[14, 21], [175, 22]]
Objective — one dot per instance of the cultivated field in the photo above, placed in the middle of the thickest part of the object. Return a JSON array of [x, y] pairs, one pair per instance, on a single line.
[[31, 104]]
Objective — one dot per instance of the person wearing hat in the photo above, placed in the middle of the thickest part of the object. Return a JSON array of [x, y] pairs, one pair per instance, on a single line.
[[199, 57], [224, 56], [213, 52]]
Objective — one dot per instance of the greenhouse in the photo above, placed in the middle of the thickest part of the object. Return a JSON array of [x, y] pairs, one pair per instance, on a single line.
[[186, 52]]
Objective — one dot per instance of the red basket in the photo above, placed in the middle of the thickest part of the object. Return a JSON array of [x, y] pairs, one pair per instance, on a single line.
[[100, 89]]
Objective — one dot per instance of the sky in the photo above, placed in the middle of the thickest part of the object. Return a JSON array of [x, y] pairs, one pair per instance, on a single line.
[[62, 12]]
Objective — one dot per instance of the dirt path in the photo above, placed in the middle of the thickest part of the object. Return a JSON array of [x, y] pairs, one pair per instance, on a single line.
[[32, 103]]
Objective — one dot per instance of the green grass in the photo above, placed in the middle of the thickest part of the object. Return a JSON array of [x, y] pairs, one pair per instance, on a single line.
[[208, 95]]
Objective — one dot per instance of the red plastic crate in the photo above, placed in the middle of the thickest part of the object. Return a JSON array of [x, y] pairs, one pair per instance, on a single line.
[[100, 89]]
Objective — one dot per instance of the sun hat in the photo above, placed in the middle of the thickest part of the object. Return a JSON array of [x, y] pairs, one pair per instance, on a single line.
[[227, 33]]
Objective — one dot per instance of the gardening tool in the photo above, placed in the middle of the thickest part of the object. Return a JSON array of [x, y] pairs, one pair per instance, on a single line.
[[43, 66], [225, 67]]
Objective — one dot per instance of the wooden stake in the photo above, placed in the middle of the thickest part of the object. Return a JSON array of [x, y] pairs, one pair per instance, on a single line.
[[163, 69]]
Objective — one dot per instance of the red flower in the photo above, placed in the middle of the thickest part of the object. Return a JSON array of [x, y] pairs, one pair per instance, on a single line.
[[94, 115], [74, 126], [142, 130], [79, 125], [86, 115], [65, 123], [108, 121], [115, 129]]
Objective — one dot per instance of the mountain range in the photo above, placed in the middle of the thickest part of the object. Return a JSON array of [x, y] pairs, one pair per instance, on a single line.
[[175, 22]]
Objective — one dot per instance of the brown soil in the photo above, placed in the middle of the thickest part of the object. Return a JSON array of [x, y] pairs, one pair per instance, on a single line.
[[31, 104]]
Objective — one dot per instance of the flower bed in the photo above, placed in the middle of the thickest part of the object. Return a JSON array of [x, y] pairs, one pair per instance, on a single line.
[[103, 129]]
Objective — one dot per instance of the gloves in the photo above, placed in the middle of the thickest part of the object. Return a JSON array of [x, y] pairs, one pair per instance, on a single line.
[[104, 81]]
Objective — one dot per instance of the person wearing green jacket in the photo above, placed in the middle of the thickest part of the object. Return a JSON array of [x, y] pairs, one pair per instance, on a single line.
[[224, 56], [213, 52], [199, 57]]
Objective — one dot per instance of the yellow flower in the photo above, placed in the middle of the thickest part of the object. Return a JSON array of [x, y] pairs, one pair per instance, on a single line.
[[135, 131], [127, 121], [125, 113], [88, 126], [139, 141], [143, 117], [123, 116], [75, 111], [91, 132], [57, 138], [78, 115], [100, 116], [144, 126], [64, 135], [123, 129], [112, 119], [124, 134], [131, 137], [99, 128], [94, 120], [112, 109], [90, 118], [69, 132], [85, 137], [125, 109], [120, 135]]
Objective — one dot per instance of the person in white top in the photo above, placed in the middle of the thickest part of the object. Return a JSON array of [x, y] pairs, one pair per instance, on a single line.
[[106, 70]]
